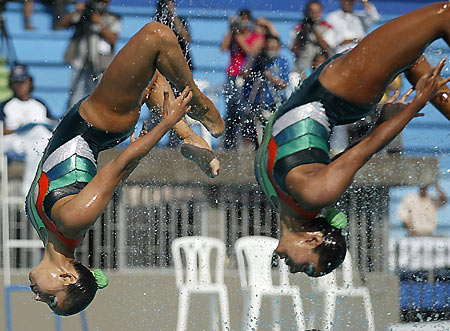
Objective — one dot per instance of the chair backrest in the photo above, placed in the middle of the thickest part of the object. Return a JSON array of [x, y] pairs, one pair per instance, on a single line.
[[258, 251], [329, 281], [197, 251]]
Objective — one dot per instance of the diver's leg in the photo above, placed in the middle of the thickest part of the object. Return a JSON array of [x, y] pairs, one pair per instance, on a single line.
[[194, 147], [442, 99], [153, 47], [362, 75]]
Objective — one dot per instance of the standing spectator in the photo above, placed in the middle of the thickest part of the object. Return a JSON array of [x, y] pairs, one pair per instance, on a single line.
[[307, 42], [266, 79], [91, 48], [240, 41], [59, 10], [26, 123], [28, 9], [349, 26], [166, 14], [418, 212]]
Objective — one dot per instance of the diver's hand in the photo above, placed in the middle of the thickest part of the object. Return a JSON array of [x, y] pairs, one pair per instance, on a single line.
[[175, 109], [429, 84], [392, 106]]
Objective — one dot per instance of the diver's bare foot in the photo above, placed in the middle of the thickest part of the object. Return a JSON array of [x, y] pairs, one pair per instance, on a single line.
[[196, 149], [203, 110]]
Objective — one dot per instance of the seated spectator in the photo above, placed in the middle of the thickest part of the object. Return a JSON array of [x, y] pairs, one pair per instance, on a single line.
[[349, 26], [418, 211], [27, 123], [266, 79], [306, 40]]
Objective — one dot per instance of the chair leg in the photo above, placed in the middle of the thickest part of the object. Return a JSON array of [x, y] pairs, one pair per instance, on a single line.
[[254, 306], [328, 315], [298, 310], [213, 311], [245, 307], [276, 303], [369, 312], [224, 309], [183, 310]]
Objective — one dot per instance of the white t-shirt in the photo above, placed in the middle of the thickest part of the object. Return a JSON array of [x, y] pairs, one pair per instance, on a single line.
[[16, 113], [419, 214], [347, 26]]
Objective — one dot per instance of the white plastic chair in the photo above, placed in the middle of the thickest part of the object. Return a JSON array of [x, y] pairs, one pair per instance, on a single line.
[[258, 252], [195, 277], [328, 286]]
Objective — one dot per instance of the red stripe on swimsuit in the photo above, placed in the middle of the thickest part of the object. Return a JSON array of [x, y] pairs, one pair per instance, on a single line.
[[272, 148], [49, 225]]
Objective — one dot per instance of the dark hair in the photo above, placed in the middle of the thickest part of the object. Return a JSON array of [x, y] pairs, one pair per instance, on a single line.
[[80, 294], [306, 10], [162, 13], [333, 249], [271, 36], [245, 12]]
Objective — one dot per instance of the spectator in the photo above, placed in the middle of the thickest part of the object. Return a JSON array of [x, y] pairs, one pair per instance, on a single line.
[[306, 41], [240, 41], [418, 212], [26, 123], [349, 26], [165, 13], [91, 48], [59, 10], [28, 8], [266, 79]]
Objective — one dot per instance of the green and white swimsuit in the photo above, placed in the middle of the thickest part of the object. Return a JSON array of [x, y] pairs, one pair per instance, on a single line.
[[69, 163], [299, 136]]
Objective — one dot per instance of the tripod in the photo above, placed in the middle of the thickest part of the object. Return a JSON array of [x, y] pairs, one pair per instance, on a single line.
[[7, 48]]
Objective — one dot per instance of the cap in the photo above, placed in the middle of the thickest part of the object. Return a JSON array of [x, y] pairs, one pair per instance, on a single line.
[[19, 73]]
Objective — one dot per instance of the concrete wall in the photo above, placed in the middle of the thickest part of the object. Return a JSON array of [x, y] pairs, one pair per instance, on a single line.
[[148, 299]]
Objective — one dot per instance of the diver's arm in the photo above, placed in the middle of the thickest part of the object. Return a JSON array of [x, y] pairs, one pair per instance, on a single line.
[[323, 186]]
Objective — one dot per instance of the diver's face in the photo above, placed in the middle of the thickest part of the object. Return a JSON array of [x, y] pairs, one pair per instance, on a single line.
[[48, 286], [297, 248]]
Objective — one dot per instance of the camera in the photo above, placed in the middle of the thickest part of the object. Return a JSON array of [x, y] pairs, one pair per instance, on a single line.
[[238, 24]]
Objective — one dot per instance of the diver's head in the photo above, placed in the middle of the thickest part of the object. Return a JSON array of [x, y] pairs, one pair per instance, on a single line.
[[316, 252], [66, 292]]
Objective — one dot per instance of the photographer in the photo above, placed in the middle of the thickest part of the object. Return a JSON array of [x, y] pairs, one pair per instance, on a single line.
[[91, 48], [307, 41], [266, 79], [240, 41]]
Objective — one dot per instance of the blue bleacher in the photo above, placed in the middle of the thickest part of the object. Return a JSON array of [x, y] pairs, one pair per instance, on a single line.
[[424, 295]]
